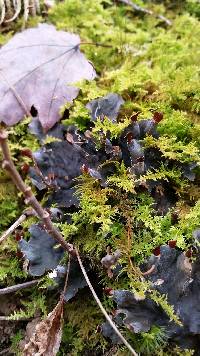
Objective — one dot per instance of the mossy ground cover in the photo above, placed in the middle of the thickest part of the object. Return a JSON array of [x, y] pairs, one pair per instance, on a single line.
[[155, 68]]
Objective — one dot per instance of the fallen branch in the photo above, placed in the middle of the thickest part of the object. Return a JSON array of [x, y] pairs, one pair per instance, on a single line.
[[136, 7], [18, 222], [30, 199], [112, 324], [20, 286]]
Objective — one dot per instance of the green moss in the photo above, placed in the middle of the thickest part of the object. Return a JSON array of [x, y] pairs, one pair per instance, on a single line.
[[169, 309], [79, 332], [173, 149], [5, 37], [20, 137], [15, 340], [150, 343], [9, 208], [35, 303], [10, 270], [188, 223], [154, 68]]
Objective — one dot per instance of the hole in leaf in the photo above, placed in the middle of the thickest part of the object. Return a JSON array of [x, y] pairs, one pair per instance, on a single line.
[[33, 111]]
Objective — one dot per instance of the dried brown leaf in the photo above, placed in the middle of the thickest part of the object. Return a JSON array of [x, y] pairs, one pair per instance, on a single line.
[[47, 335]]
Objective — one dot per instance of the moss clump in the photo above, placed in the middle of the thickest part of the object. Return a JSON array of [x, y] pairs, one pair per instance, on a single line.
[[152, 67]]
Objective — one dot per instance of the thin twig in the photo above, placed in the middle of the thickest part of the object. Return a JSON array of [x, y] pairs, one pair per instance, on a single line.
[[136, 7], [18, 222], [97, 44], [30, 198], [67, 277], [17, 287], [8, 318], [12, 227], [5, 351], [112, 324]]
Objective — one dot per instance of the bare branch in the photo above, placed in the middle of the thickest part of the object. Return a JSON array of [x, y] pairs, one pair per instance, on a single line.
[[30, 199], [7, 318], [145, 11], [18, 222], [12, 228], [112, 324], [20, 286]]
